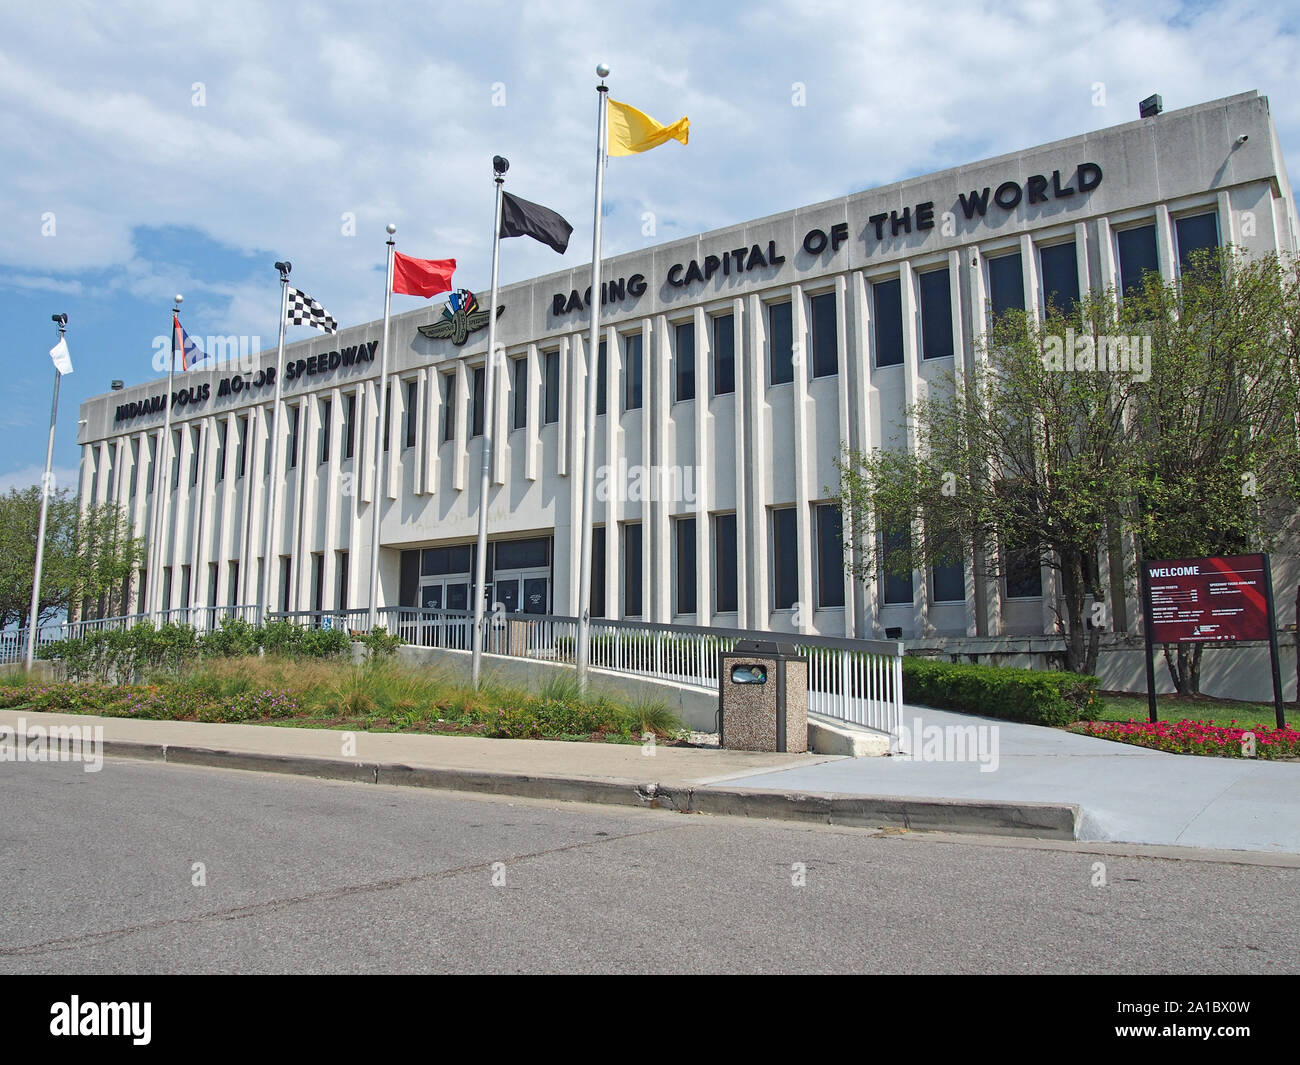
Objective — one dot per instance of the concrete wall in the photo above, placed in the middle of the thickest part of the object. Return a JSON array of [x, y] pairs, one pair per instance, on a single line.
[[696, 707]]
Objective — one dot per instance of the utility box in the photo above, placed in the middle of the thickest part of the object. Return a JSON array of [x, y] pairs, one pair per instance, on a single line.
[[763, 697]]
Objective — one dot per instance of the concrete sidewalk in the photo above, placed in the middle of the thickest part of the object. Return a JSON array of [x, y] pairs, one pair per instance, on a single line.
[[692, 780], [1128, 794]]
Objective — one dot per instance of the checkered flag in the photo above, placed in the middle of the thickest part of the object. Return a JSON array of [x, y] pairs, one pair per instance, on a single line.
[[303, 310]]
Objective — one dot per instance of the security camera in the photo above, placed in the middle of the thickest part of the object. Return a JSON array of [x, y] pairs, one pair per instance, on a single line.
[[60, 319], [1243, 139], [499, 164], [284, 268]]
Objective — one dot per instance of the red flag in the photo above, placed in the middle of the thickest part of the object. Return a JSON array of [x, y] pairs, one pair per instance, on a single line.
[[421, 277]]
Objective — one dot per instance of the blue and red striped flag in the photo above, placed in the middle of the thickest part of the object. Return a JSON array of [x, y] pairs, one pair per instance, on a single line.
[[190, 352]]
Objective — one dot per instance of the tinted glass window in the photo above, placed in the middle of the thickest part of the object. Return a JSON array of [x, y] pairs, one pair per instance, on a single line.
[[887, 321], [1137, 256], [1006, 284], [1060, 269], [781, 343]]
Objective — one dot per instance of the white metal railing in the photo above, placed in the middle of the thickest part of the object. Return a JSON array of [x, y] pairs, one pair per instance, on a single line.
[[857, 681]]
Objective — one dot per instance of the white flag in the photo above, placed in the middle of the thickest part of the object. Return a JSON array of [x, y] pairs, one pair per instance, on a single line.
[[62, 360]]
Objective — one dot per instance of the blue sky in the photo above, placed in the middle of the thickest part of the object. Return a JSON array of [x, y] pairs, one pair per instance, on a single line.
[[183, 147]]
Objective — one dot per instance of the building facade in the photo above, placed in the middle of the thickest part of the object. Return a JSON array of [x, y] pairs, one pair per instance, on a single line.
[[733, 367]]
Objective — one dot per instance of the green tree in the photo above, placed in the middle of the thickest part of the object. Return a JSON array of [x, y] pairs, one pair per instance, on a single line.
[[88, 555], [1218, 425], [1017, 461]]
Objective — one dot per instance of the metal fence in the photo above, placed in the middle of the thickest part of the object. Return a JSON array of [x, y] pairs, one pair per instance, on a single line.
[[857, 681]]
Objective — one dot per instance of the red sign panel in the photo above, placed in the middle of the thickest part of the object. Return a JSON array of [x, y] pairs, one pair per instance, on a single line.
[[1195, 599]]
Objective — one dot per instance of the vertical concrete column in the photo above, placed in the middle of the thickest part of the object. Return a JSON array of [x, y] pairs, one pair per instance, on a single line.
[[701, 478], [861, 349], [533, 415], [573, 433], [757, 454], [305, 536], [396, 415], [460, 445], [655, 400], [500, 425], [331, 485], [568, 449], [913, 390], [367, 439], [649, 507], [432, 422], [615, 462], [805, 452], [741, 348]]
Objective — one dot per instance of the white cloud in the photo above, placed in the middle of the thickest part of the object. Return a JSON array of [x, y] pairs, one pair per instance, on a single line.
[[313, 110], [29, 476]]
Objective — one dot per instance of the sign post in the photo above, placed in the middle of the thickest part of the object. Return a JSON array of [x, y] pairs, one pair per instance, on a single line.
[[1221, 599]]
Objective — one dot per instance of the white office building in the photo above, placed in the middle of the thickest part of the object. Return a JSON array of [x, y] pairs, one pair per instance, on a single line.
[[733, 366]]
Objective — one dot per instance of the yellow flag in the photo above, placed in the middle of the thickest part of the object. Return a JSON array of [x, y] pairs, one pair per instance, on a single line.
[[632, 131]]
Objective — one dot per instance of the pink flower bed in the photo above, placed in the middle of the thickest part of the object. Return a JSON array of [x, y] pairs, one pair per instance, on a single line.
[[1197, 737]]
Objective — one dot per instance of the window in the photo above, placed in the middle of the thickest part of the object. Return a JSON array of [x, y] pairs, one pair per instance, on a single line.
[[241, 446], [948, 583], [411, 415], [1023, 569], [724, 355], [438, 561], [1137, 256], [176, 464], [350, 427], [196, 441], [898, 587], [149, 472], [221, 454], [887, 321], [830, 556], [598, 572], [785, 558], [684, 361], [212, 583], [602, 366], [341, 583], [323, 434], [185, 586], [551, 387], [632, 570], [286, 583], [291, 459], [167, 588], [632, 371], [936, 315], [448, 407], [685, 530], [478, 408], [533, 553], [519, 387], [780, 336], [135, 467], [726, 596], [271, 428], [1060, 270], [232, 579], [1197, 232], [1006, 284], [318, 581], [825, 345], [388, 414]]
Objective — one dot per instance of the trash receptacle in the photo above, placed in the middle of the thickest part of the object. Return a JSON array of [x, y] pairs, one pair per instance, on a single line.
[[763, 697]]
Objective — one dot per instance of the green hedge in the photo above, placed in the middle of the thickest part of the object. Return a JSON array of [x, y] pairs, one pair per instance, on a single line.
[[1037, 697], [118, 655]]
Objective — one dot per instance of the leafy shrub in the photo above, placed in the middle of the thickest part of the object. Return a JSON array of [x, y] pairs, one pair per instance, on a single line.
[[379, 644], [324, 643], [1037, 697], [235, 638]]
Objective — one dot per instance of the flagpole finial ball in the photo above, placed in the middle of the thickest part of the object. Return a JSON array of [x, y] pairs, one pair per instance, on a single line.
[[390, 229], [180, 298], [602, 70]]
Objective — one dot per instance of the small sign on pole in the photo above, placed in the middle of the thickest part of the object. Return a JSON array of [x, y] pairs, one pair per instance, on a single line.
[[1219, 599]]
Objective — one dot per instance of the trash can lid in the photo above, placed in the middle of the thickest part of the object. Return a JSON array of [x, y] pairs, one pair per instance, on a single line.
[[764, 647]]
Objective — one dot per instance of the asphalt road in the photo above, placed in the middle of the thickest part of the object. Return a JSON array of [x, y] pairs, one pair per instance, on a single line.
[[98, 875]]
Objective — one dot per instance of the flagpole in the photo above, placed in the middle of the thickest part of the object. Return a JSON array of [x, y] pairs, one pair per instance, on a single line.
[[499, 168], [264, 599], [593, 349], [380, 437], [33, 615], [162, 472]]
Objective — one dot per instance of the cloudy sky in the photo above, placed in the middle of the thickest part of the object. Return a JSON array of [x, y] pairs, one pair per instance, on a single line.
[[153, 148]]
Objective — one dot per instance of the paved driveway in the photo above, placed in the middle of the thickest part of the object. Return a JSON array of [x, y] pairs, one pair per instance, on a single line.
[[1127, 793]]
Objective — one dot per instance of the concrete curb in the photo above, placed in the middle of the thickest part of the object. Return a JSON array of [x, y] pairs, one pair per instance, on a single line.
[[1058, 821]]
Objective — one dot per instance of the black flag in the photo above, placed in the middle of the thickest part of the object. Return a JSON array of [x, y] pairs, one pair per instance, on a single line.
[[519, 218]]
